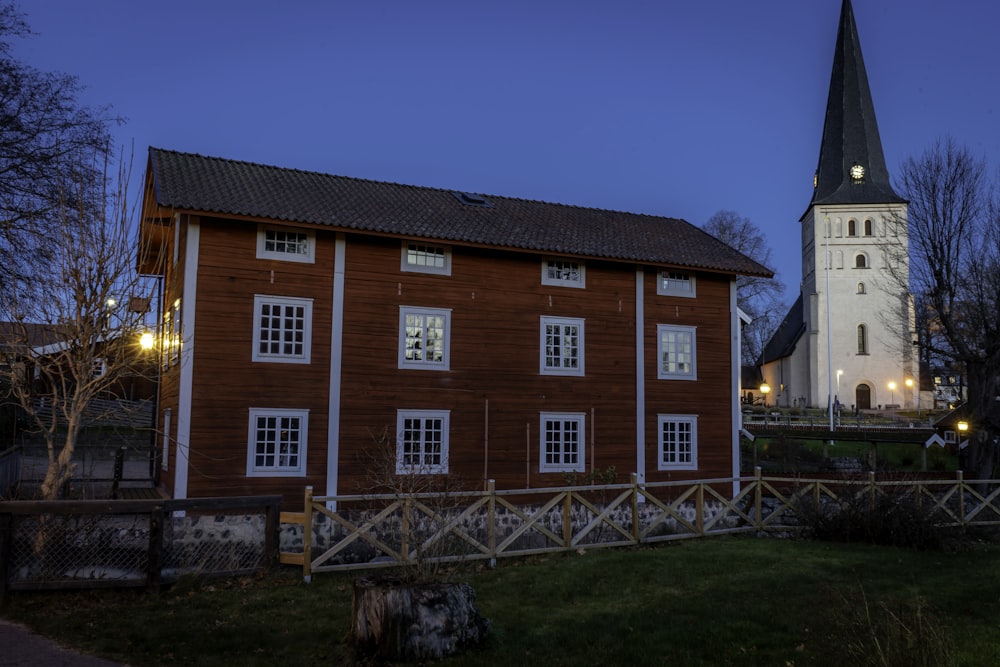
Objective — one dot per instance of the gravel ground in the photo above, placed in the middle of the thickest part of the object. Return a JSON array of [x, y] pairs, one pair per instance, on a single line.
[[20, 647]]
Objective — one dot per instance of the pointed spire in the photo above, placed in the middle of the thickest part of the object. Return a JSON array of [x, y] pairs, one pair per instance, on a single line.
[[851, 163]]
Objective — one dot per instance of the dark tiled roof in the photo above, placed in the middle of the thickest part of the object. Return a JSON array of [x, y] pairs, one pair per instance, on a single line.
[[850, 131], [787, 335], [185, 181]]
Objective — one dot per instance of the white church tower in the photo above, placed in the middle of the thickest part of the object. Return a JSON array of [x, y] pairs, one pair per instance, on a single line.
[[848, 337]]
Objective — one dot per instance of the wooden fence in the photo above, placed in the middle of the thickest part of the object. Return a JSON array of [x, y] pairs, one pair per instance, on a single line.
[[59, 544], [355, 532]]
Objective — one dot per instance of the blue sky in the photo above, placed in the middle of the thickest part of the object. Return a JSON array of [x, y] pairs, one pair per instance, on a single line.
[[662, 107]]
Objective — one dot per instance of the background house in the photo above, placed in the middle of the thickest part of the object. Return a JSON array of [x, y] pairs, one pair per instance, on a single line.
[[310, 319]]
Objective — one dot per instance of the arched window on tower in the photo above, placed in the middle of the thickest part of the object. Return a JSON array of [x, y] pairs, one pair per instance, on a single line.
[[862, 339], [861, 261], [868, 227], [852, 227], [861, 288]]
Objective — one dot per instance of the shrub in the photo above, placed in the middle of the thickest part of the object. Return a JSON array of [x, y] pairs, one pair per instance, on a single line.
[[889, 518]]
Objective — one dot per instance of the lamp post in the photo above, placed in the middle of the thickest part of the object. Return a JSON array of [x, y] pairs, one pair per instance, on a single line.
[[765, 389], [892, 392], [909, 389]]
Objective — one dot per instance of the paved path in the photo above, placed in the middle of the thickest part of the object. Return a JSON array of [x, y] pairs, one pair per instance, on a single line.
[[19, 647]]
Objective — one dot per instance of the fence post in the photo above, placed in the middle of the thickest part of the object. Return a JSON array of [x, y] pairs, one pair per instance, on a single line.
[[635, 508], [272, 534], [307, 523], [699, 510], [871, 490], [567, 519], [491, 517], [404, 542], [154, 560], [961, 496], [758, 501]]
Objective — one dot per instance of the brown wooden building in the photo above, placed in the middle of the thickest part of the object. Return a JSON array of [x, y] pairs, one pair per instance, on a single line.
[[308, 317]]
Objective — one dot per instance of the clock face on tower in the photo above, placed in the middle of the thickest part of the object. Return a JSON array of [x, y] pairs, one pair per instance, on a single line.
[[857, 172]]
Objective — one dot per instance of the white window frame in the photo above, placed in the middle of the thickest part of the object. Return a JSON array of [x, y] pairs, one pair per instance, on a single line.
[[681, 460], [562, 460], [414, 256], [277, 470], [422, 467], [564, 273], [425, 364], [259, 301], [307, 244], [676, 283], [543, 357], [661, 372]]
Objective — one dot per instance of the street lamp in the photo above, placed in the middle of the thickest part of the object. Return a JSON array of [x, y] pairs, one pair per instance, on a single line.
[[765, 389], [146, 341], [909, 388], [892, 392]]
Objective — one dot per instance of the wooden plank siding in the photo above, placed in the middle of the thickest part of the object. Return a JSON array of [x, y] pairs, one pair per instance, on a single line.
[[493, 388]]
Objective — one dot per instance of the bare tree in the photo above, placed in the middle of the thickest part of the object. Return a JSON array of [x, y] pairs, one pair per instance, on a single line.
[[760, 298], [47, 142], [73, 335], [953, 224]]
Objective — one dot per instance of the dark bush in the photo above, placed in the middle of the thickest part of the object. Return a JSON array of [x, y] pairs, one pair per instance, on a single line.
[[888, 519]]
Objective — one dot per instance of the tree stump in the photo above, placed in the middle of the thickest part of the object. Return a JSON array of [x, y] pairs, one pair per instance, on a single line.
[[396, 620]]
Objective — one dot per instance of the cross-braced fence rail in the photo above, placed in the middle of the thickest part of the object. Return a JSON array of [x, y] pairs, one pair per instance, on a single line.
[[365, 531]]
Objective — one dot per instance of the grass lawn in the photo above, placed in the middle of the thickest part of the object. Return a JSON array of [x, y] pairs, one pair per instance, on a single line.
[[716, 601]]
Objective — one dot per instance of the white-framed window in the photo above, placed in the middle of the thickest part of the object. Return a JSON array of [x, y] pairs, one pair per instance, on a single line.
[[561, 346], [676, 283], [100, 367], [562, 442], [422, 442], [678, 442], [171, 343], [949, 437], [282, 327], [287, 245], [424, 338], [426, 258], [676, 352], [563, 273], [277, 442]]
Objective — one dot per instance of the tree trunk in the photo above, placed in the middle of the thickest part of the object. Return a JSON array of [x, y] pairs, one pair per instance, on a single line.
[[392, 620]]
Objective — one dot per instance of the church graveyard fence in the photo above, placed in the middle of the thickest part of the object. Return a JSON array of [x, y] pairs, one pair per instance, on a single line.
[[336, 533]]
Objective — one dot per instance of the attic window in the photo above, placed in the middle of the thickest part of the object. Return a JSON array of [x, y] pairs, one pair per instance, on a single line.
[[470, 199]]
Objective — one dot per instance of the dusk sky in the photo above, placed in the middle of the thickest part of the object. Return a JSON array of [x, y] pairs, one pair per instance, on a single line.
[[669, 108]]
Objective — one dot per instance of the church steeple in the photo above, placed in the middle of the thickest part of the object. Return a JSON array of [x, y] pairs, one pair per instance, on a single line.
[[851, 163]]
